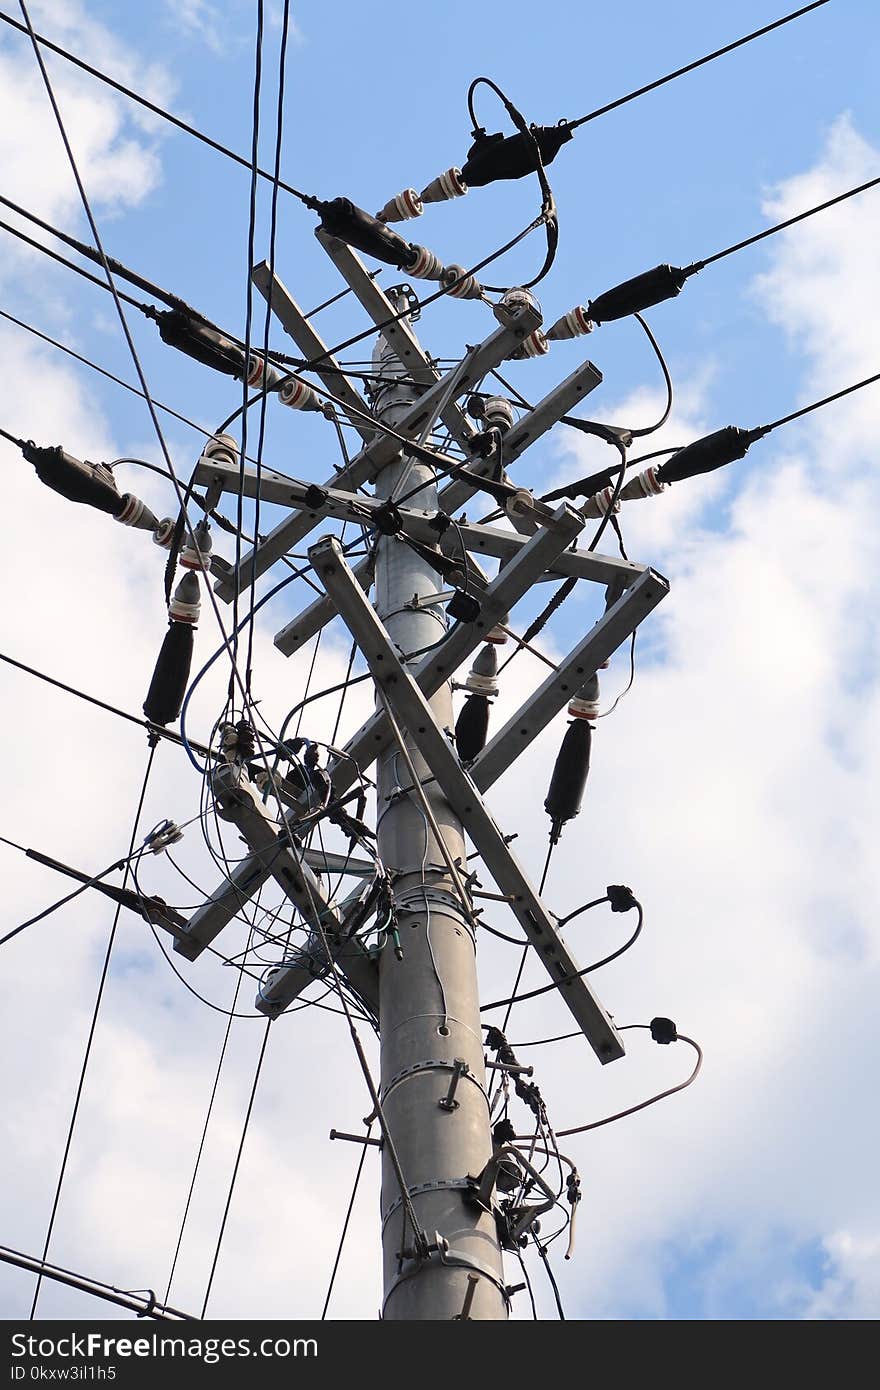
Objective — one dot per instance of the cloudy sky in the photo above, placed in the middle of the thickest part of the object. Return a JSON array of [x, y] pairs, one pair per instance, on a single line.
[[735, 788]]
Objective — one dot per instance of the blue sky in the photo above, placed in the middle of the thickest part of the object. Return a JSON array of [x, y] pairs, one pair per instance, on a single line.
[[736, 786]]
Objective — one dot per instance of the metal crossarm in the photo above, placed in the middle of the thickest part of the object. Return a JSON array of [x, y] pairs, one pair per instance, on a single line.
[[311, 345], [238, 801], [613, 628], [410, 704], [380, 451]]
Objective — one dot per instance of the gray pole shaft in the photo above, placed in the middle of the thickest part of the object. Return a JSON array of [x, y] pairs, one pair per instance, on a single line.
[[429, 1007]]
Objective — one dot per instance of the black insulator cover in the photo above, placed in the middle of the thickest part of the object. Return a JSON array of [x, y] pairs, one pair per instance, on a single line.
[[471, 727], [706, 454], [344, 219], [171, 676], [663, 1030], [202, 343], [76, 480], [570, 773], [493, 157], [652, 287]]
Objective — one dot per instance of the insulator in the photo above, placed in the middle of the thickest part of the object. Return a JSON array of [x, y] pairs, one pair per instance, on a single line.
[[196, 549], [136, 513], [221, 448], [171, 674], [483, 675], [645, 484], [472, 728], [493, 157], [652, 287], [569, 776], [585, 704], [79, 481], [163, 532], [468, 286], [426, 265], [496, 635], [574, 324], [497, 413], [258, 368], [520, 503], [185, 604], [405, 206], [598, 504], [510, 304], [449, 184], [166, 833], [706, 454], [201, 342], [298, 395], [535, 345], [343, 219]]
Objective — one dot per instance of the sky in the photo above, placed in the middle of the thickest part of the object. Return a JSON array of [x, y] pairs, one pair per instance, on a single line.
[[734, 788]]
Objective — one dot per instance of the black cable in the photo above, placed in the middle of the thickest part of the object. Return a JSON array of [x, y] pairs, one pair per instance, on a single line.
[[78, 269], [652, 1100], [698, 63], [566, 979], [595, 481], [345, 1224], [817, 405], [119, 864], [152, 106], [91, 1034], [235, 1169], [522, 1264], [542, 1251]]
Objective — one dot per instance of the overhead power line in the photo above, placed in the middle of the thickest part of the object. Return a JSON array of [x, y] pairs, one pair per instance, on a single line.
[[145, 1304]]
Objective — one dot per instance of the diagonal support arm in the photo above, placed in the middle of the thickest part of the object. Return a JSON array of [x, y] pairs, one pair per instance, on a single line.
[[413, 709]]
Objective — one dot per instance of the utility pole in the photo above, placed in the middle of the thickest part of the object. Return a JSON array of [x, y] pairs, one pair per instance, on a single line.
[[431, 1043]]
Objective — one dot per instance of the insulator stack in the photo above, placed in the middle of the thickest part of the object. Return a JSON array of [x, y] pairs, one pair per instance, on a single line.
[[259, 370], [569, 776], [136, 513], [511, 302], [164, 532], [535, 345], [171, 673], [585, 704], [599, 503], [195, 554], [447, 185], [472, 728], [405, 206], [468, 286], [221, 448], [574, 324], [298, 395], [483, 675], [426, 265], [497, 413], [646, 484]]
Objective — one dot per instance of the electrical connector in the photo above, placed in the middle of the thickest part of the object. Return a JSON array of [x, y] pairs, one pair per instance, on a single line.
[[343, 219], [166, 833], [495, 157], [641, 292], [711, 452], [663, 1030], [620, 897]]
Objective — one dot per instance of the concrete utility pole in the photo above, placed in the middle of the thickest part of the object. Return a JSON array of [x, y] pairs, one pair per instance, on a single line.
[[431, 1043]]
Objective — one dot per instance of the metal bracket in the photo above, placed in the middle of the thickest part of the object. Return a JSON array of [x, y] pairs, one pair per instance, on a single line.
[[434, 1064], [414, 711]]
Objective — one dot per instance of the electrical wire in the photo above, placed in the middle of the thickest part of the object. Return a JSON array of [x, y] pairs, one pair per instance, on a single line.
[[652, 1100], [90, 1037], [697, 63], [244, 1131], [345, 1225]]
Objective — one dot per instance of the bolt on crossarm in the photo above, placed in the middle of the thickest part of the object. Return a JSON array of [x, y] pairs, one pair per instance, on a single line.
[[433, 1081]]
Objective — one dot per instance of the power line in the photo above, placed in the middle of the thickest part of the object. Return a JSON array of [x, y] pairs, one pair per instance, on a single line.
[[149, 105], [698, 63], [146, 1306], [91, 1035], [345, 1224]]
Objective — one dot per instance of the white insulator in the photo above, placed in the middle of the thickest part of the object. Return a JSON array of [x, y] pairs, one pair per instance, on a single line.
[[406, 205], [520, 503], [196, 550], [163, 531], [574, 324], [585, 704], [598, 504], [645, 484], [496, 635], [258, 368], [222, 447], [512, 302], [427, 266], [136, 513], [468, 286], [535, 345], [449, 184], [298, 395], [498, 414], [180, 610]]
